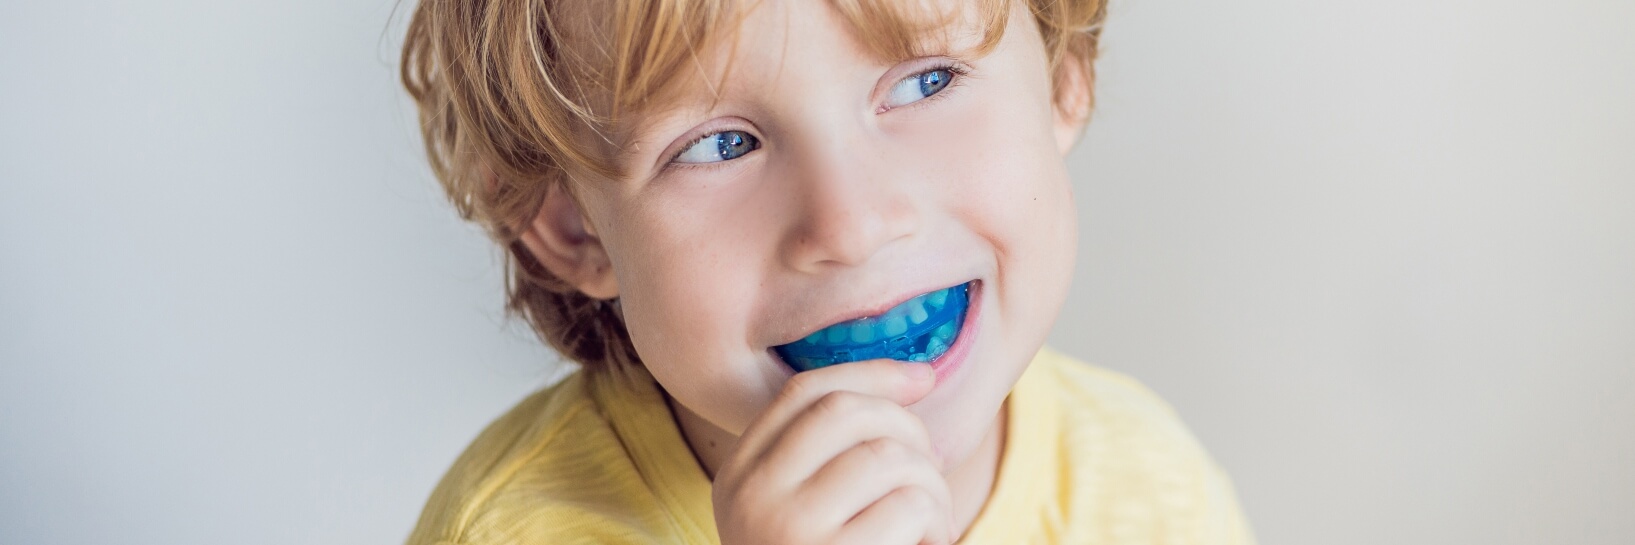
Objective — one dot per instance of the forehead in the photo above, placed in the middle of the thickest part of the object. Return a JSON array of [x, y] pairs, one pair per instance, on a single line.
[[878, 33]]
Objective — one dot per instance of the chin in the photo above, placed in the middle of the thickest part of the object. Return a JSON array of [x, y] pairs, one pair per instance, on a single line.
[[966, 407], [968, 402]]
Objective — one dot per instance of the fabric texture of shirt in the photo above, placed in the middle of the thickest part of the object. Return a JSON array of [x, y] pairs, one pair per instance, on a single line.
[[1090, 457]]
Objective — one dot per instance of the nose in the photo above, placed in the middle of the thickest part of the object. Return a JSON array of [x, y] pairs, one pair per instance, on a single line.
[[851, 202]]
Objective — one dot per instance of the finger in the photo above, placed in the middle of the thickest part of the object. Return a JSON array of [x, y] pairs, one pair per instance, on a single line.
[[857, 478], [906, 516], [836, 423], [901, 382]]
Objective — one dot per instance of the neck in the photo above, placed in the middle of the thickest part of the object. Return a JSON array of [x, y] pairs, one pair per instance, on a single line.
[[970, 481]]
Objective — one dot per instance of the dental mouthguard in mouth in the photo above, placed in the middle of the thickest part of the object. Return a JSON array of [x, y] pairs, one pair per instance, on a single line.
[[918, 330]]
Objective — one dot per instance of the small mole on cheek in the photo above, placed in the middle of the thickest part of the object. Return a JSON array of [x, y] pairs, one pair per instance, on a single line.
[[712, 443]]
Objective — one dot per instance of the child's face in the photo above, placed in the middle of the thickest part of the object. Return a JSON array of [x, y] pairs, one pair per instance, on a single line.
[[837, 191]]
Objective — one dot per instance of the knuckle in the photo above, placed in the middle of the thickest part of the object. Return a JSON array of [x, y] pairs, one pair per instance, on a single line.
[[751, 493], [732, 499], [796, 387], [834, 403], [919, 499], [910, 427], [749, 489], [916, 429], [887, 450], [794, 528], [726, 479]]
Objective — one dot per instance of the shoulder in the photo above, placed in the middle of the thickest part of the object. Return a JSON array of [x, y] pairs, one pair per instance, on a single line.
[[1134, 456], [545, 471], [1113, 402]]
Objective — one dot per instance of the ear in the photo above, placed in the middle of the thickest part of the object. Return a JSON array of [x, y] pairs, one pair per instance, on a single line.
[[1074, 98], [562, 239]]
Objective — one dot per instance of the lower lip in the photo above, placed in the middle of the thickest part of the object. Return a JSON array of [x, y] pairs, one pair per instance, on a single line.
[[951, 360]]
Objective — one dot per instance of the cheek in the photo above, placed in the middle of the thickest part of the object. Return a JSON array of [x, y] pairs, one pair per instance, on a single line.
[[1007, 181], [671, 294], [1011, 191], [682, 279]]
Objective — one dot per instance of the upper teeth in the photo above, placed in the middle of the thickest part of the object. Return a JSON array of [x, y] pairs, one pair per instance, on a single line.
[[920, 329], [891, 323]]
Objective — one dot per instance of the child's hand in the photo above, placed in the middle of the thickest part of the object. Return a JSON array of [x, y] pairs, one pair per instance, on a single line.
[[837, 459]]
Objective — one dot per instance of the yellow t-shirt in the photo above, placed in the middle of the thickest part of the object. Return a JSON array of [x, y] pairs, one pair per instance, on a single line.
[[1091, 457]]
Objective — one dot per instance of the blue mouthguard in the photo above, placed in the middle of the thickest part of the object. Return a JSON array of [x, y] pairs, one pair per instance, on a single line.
[[919, 330]]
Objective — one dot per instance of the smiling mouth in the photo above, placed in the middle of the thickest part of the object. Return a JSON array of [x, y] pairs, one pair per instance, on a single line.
[[919, 330]]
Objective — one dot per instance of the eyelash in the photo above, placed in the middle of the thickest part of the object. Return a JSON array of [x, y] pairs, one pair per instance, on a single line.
[[959, 72]]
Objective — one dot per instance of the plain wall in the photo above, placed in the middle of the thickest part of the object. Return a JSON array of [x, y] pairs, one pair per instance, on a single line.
[[1378, 254]]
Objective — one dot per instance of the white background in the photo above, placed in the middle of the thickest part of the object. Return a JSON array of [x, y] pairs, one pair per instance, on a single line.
[[1380, 255]]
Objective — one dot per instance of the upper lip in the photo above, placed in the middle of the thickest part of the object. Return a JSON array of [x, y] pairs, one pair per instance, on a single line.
[[864, 312]]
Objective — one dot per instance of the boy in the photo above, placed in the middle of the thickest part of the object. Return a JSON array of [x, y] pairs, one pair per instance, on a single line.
[[804, 251]]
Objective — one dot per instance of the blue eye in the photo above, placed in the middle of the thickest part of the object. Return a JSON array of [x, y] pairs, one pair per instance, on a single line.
[[919, 86], [717, 147]]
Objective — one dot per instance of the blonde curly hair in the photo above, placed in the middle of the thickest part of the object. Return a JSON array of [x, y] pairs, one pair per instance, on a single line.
[[509, 90]]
